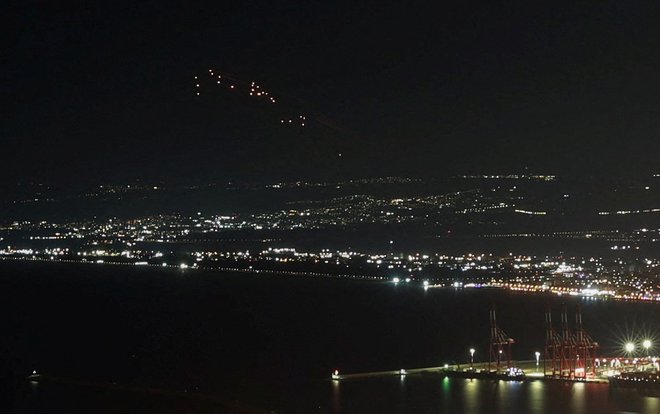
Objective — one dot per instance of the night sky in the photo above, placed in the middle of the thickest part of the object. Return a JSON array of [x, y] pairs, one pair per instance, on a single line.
[[105, 92]]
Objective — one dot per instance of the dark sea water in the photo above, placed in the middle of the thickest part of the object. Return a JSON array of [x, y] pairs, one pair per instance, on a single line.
[[151, 340]]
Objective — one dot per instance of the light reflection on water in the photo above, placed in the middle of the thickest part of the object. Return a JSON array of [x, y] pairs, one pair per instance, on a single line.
[[458, 395], [446, 394], [651, 405], [578, 397], [471, 396], [536, 397], [502, 402], [336, 396]]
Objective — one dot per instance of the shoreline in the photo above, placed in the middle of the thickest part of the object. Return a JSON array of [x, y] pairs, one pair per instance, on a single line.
[[372, 278]]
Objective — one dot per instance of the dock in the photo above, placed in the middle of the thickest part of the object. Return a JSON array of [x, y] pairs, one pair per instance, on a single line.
[[479, 370]]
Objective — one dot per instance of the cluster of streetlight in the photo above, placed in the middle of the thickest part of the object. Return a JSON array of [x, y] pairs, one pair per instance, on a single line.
[[630, 346]]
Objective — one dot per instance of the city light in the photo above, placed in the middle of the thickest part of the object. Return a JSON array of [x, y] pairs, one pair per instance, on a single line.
[[116, 241]]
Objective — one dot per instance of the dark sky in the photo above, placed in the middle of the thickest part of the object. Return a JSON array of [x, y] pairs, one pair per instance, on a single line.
[[105, 92]]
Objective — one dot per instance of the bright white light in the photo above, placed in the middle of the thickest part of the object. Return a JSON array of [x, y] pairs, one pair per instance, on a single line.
[[396, 280], [646, 344], [630, 347]]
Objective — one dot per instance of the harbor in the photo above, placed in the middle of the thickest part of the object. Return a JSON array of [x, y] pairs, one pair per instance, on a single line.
[[569, 355]]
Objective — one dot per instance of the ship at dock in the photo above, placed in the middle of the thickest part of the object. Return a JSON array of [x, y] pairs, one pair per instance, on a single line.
[[648, 380]]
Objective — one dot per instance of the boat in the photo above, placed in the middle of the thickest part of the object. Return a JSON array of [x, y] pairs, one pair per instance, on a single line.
[[637, 380]]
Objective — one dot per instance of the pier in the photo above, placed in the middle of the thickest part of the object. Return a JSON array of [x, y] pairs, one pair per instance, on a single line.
[[569, 355], [529, 369]]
